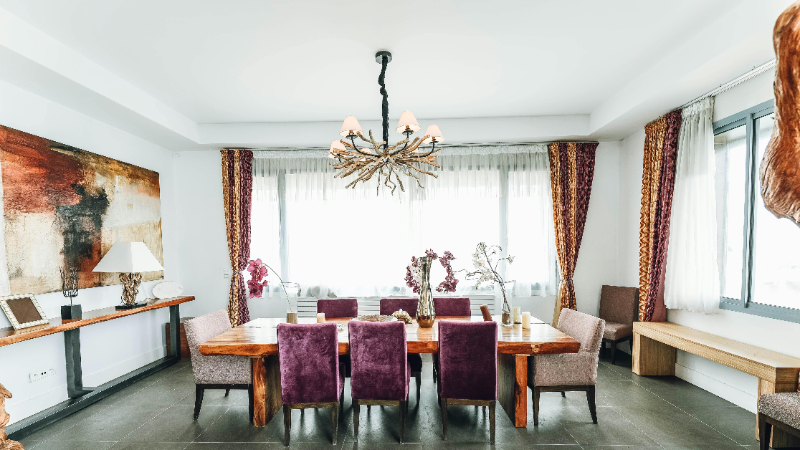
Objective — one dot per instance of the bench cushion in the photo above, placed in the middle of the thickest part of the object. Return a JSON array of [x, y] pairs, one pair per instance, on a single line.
[[783, 407], [616, 331]]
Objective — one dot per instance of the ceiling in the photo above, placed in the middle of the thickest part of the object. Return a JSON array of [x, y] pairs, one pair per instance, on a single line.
[[256, 63]]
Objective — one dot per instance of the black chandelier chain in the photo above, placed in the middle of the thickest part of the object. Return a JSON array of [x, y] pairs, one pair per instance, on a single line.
[[385, 105]]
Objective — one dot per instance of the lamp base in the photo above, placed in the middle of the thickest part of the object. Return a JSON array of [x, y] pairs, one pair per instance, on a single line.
[[133, 306]]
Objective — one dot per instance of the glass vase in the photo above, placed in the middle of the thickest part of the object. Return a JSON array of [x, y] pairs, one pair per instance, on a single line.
[[426, 315], [506, 318], [292, 291]]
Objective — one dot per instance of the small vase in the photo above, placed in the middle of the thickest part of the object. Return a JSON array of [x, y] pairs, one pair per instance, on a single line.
[[506, 311], [292, 294], [426, 315]]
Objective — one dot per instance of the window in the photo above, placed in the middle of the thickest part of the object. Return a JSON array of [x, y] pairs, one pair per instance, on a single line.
[[758, 254], [358, 242]]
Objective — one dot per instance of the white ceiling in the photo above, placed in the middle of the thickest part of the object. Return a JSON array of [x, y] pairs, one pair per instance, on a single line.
[[256, 61]]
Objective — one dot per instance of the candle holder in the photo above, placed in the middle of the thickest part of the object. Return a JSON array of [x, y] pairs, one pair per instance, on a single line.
[[69, 288]]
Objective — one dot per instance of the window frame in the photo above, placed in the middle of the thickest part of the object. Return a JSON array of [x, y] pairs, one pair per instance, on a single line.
[[746, 304]]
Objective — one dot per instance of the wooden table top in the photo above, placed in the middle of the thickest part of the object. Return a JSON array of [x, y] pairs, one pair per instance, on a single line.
[[10, 336], [260, 338]]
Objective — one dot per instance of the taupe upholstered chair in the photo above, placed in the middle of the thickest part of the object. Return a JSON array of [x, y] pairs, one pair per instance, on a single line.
[[216, 372], [618, 306], [569, 371], [781, 411]]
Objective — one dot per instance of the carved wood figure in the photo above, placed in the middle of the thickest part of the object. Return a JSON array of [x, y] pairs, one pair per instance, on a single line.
[[780, 168], [5, 443]]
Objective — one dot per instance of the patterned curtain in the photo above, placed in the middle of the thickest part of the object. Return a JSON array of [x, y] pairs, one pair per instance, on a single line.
[[571, 174], [658, 182], [237, 192]]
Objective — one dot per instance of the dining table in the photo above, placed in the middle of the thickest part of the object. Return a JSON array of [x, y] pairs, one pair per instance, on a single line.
[[258, 339]]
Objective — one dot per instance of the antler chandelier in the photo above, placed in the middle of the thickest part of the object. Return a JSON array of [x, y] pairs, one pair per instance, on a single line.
[[387, 162]]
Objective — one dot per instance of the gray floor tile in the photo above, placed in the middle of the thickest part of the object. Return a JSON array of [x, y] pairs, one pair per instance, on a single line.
[[150, 446], [177, 424], [732, 421], [114, 424]]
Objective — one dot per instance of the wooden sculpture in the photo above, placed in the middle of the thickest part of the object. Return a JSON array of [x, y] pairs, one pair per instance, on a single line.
[[6, 444], [780, 168]]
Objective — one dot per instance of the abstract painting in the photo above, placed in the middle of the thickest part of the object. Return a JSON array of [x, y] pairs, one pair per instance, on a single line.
[[63, 207]]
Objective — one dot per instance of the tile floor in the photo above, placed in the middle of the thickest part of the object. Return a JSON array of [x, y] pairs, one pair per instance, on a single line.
[[633, 413]]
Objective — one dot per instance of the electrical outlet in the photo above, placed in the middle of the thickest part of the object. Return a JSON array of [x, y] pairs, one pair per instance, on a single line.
[[36, 376]]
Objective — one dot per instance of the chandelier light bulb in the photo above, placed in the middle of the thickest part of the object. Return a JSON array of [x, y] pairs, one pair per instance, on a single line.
[[350, 126], [407, 123]]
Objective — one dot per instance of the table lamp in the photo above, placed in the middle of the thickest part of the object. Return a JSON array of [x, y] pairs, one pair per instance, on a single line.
[[129, 259]]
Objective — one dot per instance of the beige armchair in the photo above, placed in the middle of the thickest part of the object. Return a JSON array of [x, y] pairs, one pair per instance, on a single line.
[[569, 371]]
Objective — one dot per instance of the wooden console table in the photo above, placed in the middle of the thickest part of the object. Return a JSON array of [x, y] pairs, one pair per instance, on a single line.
[[79, 396]]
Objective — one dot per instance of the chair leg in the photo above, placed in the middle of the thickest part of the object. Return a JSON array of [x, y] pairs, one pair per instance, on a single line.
[[536, 394], [403, 419], [251, 402], [613, 352], [491, 421], [287, 424], [630, 341], [592, 405], [227, 391], [435, 358], [418, 376], [356, 417], [563, 394], [764, 432], [444, 419], [199, 390], [335, 422]]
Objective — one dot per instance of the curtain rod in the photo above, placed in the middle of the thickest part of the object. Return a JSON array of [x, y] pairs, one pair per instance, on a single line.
[[476, 144], [735, 82]]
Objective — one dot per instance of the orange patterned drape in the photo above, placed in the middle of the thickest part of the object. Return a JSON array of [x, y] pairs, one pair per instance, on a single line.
[[237, 191], [571, 174], [658, 182]]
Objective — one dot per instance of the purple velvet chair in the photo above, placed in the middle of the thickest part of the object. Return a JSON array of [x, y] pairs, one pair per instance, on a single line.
[[381, 372], [444, 307], [338, 308], [409, 305], [468, 373], [455, 306], [310, 374]]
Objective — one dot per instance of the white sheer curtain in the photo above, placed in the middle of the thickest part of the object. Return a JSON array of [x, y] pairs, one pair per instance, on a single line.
[[692, 278], [357, 242]]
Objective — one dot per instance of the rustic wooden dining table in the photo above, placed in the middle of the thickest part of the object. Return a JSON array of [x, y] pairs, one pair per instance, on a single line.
[[258, 339]]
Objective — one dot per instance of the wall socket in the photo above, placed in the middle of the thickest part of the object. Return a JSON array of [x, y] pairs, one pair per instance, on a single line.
[[36, 376]]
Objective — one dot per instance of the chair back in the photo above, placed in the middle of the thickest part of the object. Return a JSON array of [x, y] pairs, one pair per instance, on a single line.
[[379, 368], [390, 305], [309, 360], [586, 329], [340, 307], [447, 306], [619, 304], [468, 360], [202, 329]]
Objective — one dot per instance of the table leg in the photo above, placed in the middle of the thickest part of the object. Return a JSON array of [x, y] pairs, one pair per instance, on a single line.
[[512, 387], [175, 331], [652, 358], [780, 439], [266, 389]]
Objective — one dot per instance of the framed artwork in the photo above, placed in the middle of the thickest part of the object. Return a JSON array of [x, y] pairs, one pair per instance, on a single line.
[[63, 208], [23, 311]]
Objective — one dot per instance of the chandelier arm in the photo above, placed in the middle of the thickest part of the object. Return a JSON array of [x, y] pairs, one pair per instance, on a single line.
[[385, 104]]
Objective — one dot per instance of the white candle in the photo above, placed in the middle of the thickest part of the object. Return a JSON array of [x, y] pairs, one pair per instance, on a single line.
[[320, 317], [516, 314], [526, 320]]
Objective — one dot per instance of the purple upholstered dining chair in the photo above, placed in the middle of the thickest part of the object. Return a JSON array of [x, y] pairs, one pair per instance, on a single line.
[[468, 367], [454, 306], [338, 308], [444, 307], [409, 305], [310, 374], [381, 372], [569, 371]]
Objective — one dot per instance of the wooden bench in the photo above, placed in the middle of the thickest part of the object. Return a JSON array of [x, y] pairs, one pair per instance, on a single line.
[[654, 353]]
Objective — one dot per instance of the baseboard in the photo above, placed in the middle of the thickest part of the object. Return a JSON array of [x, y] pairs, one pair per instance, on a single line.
[[57, 395], [734, 395]]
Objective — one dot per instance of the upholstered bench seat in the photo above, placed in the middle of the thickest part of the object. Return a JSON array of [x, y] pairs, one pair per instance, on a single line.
[[783, 407]]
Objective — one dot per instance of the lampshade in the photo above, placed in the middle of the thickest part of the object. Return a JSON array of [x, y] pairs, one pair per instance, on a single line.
[[128, 257], [350, 126], [407, 120], [336, 146], [434, 133]]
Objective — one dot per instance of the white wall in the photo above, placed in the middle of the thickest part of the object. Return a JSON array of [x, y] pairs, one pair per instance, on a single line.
[[109, 349], [772, 334]]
